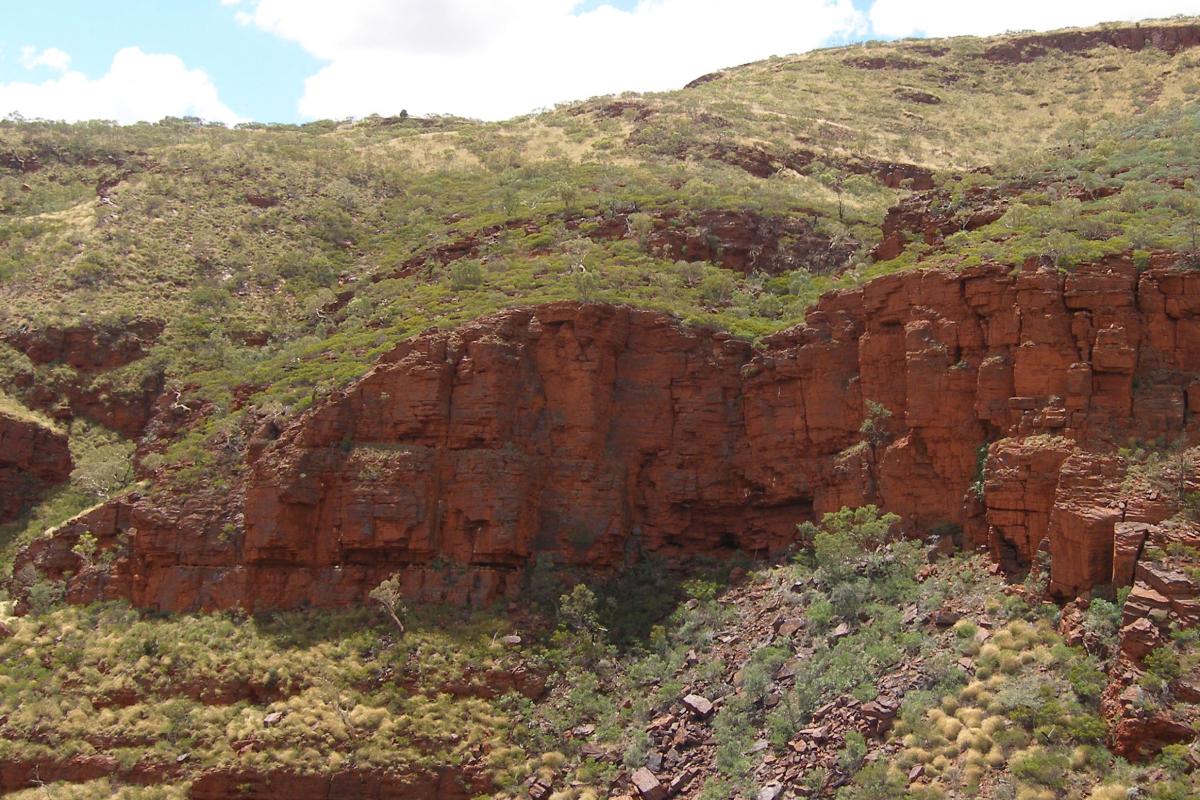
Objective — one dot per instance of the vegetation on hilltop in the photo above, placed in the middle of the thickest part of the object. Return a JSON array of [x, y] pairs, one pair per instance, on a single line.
[[284, 260]]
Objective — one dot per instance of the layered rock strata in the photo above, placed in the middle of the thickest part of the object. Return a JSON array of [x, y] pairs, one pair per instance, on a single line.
[[33, 457], [594, 435]]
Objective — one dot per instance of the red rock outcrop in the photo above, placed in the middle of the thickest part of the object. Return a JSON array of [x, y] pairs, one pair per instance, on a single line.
[[1164, 599], [85, 391], [593, 434], [1166, 37], [87, 348], [33, 458], [933, 215], [126, 409], [763, 163], [744, 241]]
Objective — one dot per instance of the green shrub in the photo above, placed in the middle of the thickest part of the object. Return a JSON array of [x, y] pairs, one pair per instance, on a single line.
[[466, 274], [853, 751], [717, 288], [1176, 759], [1045, 767], [877, 781], [1163, 663]]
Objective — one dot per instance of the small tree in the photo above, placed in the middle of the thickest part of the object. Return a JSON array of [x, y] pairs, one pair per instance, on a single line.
[[389, 595], [831, 179], [874, 426], [585, 284], [717, 288], [642, 225], [567, 193], [874, 430], [844, 536], [85, 548], [579, 620]]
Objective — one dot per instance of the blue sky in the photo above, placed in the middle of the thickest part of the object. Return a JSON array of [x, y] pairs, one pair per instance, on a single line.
[[254, 70], [292, 60]]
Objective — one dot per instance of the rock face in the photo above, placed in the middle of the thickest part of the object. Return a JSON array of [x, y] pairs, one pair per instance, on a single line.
[[744, 241], [1164, 598], [594, 434], [84, 389], [87, 348], [1167, 37], [33, 458]]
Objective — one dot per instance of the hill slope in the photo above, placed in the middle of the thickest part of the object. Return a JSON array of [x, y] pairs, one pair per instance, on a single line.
[[267, 368]]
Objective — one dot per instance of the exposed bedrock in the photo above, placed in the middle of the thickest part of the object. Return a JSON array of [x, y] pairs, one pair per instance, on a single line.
[[597, 434], [1168, 37], [33, 457]]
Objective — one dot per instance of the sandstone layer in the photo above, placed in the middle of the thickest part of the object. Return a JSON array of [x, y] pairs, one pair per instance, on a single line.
[[33, 458], [87, 358], [594, 435]]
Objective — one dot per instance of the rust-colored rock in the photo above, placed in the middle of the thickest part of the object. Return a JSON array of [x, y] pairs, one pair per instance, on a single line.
[[1138, 738], [595, 434], [17, 775], [1128, 539], [1164, 599], [84, 390], [33, 458], [648, 786], [1166, 37], [87, 348], [931, 216], [745, 241]]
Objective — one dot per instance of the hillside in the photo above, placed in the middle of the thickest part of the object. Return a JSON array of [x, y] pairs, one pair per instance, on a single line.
[[655, 345]]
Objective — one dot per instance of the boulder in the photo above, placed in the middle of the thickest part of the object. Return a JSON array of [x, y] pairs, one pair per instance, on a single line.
[[647, 785]]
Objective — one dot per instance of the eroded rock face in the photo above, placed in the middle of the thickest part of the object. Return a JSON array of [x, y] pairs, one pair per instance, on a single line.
[[33, 458], [596, 434], [85, 389], [87, 348], [1163, 600], [744, 241], [1168, 38]]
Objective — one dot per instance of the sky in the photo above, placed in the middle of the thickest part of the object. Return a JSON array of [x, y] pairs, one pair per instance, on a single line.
[[286, 61]]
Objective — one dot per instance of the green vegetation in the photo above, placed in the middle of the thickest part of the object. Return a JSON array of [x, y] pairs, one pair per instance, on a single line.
[[283, 261], [349, 689]]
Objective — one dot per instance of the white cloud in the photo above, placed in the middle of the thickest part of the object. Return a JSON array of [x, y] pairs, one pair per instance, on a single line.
[[498, 58], [957, 17], [138, 86], [51, 57]]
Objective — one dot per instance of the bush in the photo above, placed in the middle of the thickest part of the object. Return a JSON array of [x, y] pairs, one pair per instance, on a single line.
[[43, 595], [1164, 663], [1175, 759], [843, 536], [579, 624], [854, 751], [1087, 679], [717, 289], [878, 781], [1045, 767], [466, 274]]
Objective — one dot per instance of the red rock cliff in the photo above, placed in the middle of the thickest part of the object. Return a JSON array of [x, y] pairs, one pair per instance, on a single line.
[[597, 433], [33, 458]]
